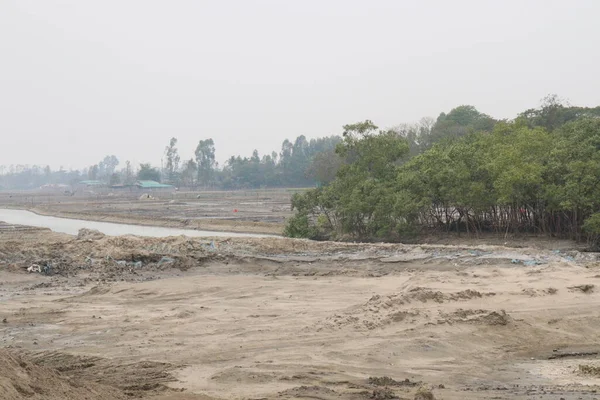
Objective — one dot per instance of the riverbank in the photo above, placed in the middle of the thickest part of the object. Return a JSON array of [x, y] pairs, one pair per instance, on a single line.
[[73, 226], [239, 212]]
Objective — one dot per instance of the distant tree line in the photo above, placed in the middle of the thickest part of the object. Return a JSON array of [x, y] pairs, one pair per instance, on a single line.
[[464, 172], [296, 165], [301, 163]]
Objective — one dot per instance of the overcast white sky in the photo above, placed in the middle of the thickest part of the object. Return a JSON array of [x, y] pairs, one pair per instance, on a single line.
[[80, 79]]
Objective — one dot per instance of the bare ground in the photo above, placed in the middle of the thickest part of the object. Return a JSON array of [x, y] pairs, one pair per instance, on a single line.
[[181, 318]]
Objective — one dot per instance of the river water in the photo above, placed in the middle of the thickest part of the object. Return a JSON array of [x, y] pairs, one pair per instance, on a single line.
[[72, 226]]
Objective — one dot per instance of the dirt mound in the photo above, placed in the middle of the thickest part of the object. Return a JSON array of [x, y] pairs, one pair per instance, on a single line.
[[105, 258], [370, 322], [90, 234], [472, 316], [313, 392], [380, 311], [424, 295], [496, 318], [383, 394], [21, 379], [387, 381], [237, 375], [133, 378], [424, 394]]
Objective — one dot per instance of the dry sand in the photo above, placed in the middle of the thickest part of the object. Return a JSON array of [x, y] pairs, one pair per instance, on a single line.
[[182, 318]]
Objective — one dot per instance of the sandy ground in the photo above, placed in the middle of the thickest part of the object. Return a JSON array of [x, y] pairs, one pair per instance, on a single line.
[[182, 318]]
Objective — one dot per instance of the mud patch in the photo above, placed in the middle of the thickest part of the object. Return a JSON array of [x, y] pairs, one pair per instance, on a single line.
[[588, 288], [573, 354], [531, 292], [587, 369]]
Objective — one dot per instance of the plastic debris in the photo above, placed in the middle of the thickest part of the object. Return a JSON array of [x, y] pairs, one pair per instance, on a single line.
[[166, 260], [46, 269], [531, 263], [34, 268], [135, 264], [528, 263]]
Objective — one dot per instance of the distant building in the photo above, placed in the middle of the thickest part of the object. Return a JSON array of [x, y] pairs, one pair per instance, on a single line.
[[88, 184], [94, 188], [122, 188], [90, 187], [153, 186], [56, 188]]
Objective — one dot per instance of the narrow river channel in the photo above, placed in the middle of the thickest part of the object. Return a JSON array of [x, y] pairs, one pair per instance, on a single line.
[[72, 226]]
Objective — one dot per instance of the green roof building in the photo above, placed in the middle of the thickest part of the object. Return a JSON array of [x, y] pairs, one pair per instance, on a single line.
[[153, 185], [91, 183]]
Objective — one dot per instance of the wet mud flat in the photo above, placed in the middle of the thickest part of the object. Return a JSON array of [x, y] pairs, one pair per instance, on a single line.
[[249, 318], [7, 229], [250, 211]]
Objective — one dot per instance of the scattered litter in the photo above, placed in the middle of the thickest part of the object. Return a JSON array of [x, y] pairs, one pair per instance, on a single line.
[[531, 263], [166, 260], [528, 263], [35, 268], [135, 264], [47, 269]]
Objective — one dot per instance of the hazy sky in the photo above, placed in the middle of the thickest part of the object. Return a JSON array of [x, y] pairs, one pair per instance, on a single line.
[[81, 79]]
